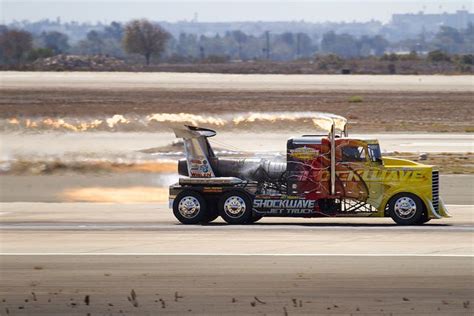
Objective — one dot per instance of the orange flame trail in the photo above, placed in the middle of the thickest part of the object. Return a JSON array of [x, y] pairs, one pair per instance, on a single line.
[[320, 119]]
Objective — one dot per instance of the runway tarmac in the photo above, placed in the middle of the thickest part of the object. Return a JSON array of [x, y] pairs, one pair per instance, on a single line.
[[87, 228], [257, 82], [98, 144], [54, 255], [149, 229]]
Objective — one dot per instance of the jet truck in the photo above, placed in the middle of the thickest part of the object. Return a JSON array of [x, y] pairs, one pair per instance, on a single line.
[[329, 175]]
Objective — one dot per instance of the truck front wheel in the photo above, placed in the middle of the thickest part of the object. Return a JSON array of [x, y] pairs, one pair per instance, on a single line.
[[189, 207], [235, 207], [406, 209]]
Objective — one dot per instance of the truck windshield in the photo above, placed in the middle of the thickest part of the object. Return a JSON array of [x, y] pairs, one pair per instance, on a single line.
[[374, 153], [353, 153]]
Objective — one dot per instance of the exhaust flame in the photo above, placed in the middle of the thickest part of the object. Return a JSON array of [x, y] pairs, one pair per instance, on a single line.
[[116, 195], [30, 124], [57, 124], [117, 121], [186, 118], [322, 120]]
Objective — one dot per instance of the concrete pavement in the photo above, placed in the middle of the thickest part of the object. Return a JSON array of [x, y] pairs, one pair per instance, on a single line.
[[203, 81], [113, 259]]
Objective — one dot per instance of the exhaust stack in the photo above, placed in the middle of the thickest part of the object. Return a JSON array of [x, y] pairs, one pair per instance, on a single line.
[[198, 150]]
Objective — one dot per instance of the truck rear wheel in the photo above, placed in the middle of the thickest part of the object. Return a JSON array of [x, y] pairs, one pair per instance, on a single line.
[[406, 209], [235, 207], [189, 207], [211, 212]]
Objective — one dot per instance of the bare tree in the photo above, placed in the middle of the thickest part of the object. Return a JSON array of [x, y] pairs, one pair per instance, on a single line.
[[14, 45], [144, 38]]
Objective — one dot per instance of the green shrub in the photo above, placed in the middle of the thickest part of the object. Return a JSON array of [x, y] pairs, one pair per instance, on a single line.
[[356, 99], [467, 59], [41, 52], [469, 129], [438, 56], [390, 57]]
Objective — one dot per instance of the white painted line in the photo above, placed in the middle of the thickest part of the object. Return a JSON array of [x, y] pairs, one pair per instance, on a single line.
[[274, 226], [183, 254]]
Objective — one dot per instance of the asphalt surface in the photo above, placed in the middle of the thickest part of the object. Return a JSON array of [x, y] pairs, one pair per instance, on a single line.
[[54, 255], [197, 81], [455, 189], [30, 145], [88, 228]]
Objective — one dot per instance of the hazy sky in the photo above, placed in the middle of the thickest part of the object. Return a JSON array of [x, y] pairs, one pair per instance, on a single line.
[[220, 10]]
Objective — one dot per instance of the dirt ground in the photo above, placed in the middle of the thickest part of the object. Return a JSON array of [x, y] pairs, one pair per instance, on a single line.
[[371, 103], [375, 111], [207, 285]]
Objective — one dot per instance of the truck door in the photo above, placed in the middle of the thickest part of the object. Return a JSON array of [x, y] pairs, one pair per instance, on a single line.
[[351, 164], [374, 179]]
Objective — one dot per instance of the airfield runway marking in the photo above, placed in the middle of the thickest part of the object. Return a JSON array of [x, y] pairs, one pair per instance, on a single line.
[[224, 227], [213, 254]]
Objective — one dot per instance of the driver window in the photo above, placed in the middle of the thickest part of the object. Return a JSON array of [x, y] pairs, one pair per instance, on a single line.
[[353, 154]]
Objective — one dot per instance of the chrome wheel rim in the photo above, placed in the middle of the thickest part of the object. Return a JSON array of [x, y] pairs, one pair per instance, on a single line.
[[189, 207], [234, 206], [405, 207]]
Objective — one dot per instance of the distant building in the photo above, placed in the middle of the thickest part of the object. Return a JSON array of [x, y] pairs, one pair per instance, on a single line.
[[416, 23]]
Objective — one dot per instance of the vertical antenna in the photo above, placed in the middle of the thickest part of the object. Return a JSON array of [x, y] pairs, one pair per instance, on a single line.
[[333, 158]]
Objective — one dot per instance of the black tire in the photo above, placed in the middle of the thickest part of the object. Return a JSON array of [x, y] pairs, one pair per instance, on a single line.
[[212, 217], [254, 219], [424, 219], [235, 207], [211, 213], [195, 216], [406, 209]]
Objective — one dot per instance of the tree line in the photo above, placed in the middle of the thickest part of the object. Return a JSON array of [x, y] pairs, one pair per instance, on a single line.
[[154, 44]]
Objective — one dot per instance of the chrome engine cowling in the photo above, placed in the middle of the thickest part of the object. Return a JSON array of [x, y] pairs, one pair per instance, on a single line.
[[250, 169]]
